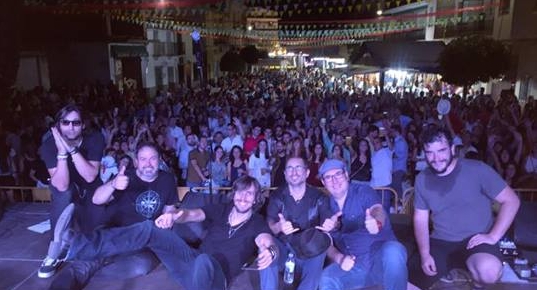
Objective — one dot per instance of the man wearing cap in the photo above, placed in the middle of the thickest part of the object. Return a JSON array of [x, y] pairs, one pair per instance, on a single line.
[[293, 211], [365, 250]]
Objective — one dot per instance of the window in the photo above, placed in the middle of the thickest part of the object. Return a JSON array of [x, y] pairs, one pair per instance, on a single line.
[[171, 75], [159, 78]]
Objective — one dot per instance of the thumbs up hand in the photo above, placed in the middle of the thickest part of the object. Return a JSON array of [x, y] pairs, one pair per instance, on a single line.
[[330, 223], [371, 224], [121, 180], [286, 227]]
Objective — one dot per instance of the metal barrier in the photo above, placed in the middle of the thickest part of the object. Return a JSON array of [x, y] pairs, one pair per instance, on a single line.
[[526, 194], [43, 194], [407, 200]]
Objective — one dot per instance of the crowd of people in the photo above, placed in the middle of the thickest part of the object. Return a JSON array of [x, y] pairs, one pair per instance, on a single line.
[[294, 131]]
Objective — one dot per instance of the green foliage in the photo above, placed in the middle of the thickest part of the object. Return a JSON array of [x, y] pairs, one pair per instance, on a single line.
[[469, 59], [232, 62], [250, 54]]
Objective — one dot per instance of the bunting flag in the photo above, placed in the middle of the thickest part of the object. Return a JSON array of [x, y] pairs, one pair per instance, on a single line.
[[185, 19]]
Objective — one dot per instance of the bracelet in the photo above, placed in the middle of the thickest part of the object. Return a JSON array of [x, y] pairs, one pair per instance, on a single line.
[[74, 151], [272, 252], [62, 156]]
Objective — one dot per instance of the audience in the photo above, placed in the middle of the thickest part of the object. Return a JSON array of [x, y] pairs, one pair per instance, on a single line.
[[276, 117]]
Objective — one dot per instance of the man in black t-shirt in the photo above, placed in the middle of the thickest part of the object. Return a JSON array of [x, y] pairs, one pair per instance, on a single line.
[[73, 157], [292, 209], [234, 234], [140, 194], [131, 197]]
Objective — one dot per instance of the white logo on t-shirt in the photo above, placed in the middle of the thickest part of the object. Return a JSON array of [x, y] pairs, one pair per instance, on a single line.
[[147, 203]]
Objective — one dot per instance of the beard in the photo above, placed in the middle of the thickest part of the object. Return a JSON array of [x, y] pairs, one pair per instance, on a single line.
[[443, 170]]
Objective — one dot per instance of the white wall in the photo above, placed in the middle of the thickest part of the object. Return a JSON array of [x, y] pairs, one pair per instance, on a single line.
[[503, 23]]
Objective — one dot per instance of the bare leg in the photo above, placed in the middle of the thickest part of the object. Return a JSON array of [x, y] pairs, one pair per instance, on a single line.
[[485, 268]]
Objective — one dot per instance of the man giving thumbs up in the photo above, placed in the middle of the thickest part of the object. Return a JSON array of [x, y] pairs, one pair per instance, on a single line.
[[365, 251]]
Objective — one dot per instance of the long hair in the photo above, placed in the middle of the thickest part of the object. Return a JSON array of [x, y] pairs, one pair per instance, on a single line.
[[367, 150], [66, 110], [257, 153], [322, 157], [244, 182], [231, 157], [223, 153]]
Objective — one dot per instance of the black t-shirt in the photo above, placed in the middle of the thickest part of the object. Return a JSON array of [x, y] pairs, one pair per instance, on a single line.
[[142, 200], [235, 250], [361, 171], [91, 148], [310, 211]]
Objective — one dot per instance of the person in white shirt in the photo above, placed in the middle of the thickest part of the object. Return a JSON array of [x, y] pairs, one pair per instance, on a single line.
[[258, 164], [530, 164], [233, 139], [381, 169]]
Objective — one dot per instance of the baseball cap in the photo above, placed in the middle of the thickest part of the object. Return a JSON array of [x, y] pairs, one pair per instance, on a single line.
[[330, 164]]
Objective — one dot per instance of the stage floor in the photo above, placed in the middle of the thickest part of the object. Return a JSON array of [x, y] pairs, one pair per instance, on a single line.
[[22, 250]]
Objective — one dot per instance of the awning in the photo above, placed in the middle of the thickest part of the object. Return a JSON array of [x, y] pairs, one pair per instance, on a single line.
[[120, 51], [418, 55], [355, 69]]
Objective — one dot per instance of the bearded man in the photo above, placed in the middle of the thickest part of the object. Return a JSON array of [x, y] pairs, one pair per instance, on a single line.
[[459, 194]]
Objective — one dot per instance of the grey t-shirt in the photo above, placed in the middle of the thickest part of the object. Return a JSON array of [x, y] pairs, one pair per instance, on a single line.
[[460, 202]]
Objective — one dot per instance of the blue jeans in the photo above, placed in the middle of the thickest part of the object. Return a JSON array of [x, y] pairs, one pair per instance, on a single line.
[[59, 200], [84, 207], [388, 269], [311, 270], [186, 266]]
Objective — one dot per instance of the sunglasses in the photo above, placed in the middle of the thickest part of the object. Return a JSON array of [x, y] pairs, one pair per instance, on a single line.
[[75, 123]]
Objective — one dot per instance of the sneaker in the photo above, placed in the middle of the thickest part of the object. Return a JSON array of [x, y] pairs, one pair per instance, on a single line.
[[456, 276], [48, 267], [57, 250]]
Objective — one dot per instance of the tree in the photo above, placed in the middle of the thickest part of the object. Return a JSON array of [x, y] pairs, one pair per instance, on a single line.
[[232, 62], [250, 54], [469, 59]]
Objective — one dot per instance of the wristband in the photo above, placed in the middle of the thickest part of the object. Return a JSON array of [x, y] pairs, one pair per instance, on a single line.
[[62, 156], [74, 151]]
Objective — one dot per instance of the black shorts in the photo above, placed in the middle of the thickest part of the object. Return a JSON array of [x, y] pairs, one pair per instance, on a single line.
[[447, 255], [454, 254]]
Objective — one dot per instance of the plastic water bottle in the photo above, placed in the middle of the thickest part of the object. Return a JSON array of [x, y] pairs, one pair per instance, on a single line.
[[289, 273]]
